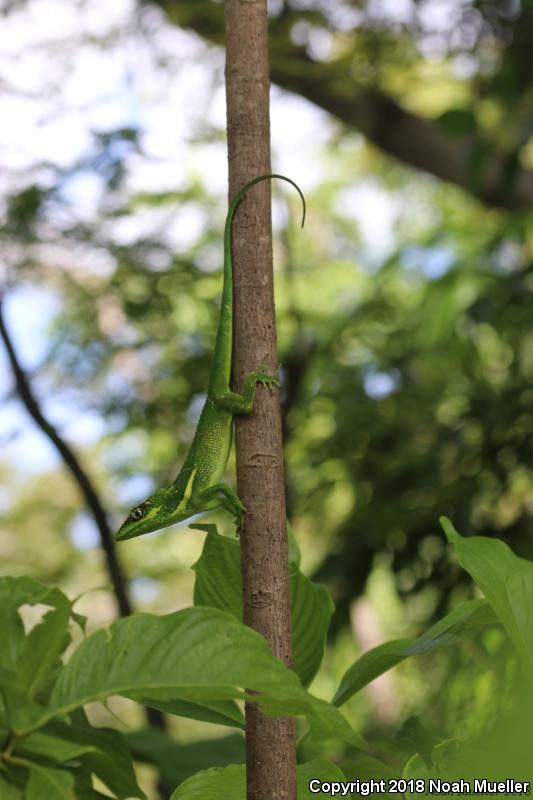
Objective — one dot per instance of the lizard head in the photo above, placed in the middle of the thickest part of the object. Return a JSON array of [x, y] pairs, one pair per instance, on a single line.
[[156, 512]]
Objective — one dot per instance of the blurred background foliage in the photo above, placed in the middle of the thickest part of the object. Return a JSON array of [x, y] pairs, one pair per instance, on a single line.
[[405, 307]]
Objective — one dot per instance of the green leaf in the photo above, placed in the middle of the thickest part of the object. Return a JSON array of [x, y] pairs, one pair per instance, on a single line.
[[41, 651], [499, 750], [84, 787], [444, 756], [364, 767], [46, 783], [222, 712], [230, 782], [506, 581], [198, 654], [106, 754], [101, 751], [206, 527], [294, 548], [416, 767], [28, 663], [312, 608], [218, 575], [212, 784], [14, 593], [458, 623], [457, 121], [218, 585], [321, 770], [44, 745], [177, 762], [413, 737]]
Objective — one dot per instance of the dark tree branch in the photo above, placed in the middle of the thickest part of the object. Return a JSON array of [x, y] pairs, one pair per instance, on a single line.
[[467, 160], [470, 161], [80, 476], [155, 717]]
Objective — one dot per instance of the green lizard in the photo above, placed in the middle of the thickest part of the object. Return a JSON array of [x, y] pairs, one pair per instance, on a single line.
[[198, 486]]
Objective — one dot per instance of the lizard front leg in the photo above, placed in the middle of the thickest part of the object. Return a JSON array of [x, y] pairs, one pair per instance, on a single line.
[[243, 403]]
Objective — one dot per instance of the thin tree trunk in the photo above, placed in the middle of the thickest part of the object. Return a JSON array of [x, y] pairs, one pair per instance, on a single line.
[[270, 743]]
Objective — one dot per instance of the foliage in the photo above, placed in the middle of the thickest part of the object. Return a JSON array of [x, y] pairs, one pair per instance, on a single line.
[[192, 663], [231, 782], [439, 86], [406, 364], [218, 584], [417, 350], [206, 658]]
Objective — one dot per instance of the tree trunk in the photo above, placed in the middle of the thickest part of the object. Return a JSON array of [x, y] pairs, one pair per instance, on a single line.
[[270, 743]]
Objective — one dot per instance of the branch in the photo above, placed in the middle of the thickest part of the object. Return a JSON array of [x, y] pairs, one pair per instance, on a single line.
[[469, 161], [80, 476], [155, 717]]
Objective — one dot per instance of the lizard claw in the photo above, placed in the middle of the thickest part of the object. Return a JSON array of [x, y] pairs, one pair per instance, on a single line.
[[263, 377], [238, 515]]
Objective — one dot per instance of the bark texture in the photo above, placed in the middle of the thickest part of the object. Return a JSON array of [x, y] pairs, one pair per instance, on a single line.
[[270, 743]]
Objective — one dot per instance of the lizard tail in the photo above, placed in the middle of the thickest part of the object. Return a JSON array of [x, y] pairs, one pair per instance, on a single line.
[[223, 343]]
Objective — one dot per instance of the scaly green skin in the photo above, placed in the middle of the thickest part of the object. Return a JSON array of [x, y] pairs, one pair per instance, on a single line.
[[198, 486]]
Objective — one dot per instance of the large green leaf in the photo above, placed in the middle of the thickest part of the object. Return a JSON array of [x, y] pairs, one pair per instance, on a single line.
[[177, 762], [230, 782], [506, 581], [458, 623], [198, 654], [218, 584]]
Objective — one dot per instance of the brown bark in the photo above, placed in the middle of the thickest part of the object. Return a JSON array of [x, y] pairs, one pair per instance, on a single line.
[[270, 743]]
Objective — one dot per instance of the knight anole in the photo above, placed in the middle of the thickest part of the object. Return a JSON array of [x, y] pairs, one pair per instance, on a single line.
[[198, 486]]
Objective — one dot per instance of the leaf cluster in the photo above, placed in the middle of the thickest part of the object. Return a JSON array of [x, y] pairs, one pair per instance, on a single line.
[[197, 662]]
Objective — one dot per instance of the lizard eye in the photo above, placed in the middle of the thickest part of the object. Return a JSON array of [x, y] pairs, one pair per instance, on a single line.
[[136, 514]]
